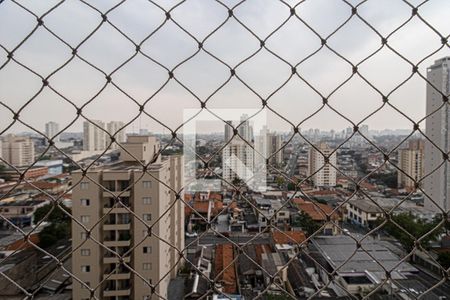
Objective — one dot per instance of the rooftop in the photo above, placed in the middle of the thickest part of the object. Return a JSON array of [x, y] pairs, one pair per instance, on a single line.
[[337, 249]]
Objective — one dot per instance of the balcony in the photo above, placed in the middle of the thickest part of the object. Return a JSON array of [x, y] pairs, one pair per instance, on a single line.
[[115, 259], [116, 193], [114, 293], [107, 227], [117, 276], [117, 238]]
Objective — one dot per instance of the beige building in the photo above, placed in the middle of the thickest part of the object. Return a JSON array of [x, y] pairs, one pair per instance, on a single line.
[[323, 174], [115, 128], [18, 150], [436, 184], [411, 160], [268, 145], [94, 136], [123, 228]]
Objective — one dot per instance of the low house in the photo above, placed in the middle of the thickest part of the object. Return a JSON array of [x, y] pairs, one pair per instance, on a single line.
[[322, 214]]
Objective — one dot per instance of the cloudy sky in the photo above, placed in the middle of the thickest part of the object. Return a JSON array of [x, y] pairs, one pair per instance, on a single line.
[[202, 74]]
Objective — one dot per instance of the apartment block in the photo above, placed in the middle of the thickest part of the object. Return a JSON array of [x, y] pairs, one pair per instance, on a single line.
[[268, 143], [436, 185], [410, 160], [146, 201], [323, 174], [115, 128], [51, 129], [94, 135], [18, 150]]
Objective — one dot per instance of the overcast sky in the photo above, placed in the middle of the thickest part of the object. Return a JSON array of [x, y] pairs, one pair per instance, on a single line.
[[141, 78]]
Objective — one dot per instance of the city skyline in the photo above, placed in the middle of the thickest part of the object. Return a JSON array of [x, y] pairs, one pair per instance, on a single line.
[[385, 70]]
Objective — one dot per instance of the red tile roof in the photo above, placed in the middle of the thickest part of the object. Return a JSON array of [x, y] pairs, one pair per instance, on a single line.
[[317, 211], [288, 237], [226, 268]]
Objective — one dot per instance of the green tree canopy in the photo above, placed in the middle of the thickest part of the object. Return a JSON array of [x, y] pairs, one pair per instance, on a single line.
[[57, 214]]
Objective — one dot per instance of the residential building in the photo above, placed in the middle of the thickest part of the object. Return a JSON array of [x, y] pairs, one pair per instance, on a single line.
[[436, 184], [18, 150], [146, 228], [115, 128], [269, 145], [322, 173], [410, 161], [55, 167], [358, 270], [271, 212], [363, 212], [94, 135], [51, 131], [245, 129], [228, 131], [19, 212], [28, 173], [238, 161], [320, 213]]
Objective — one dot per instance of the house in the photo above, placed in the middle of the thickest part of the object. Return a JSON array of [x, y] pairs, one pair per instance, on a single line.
[[322, 214]]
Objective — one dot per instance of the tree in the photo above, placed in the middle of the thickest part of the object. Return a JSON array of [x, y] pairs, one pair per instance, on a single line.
[[53, 233], [389, 179], [280, 181], [59, 227], [304, 221], [57, 215], [416, 228], [444, 259]]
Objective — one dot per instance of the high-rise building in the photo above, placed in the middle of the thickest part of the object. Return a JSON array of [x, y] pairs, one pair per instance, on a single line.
[[228, 131], [244, 129], [143, 230], [436, 184], [410, 160], [51, 129], [94, 136], [323, 174], [268, 143], [115, 128], [238, 160], [18, 150]]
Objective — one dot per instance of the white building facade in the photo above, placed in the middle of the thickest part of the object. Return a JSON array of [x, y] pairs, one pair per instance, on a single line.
[[437, 185], [322, 174]]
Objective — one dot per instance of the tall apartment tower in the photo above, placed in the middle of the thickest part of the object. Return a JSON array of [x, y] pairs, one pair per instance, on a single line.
[[437, 185], [124, 228], [18, 150], [94, 138], [51, 129], [228, 131], [323, 175], [238, 160], [245, 129], [411, 160], [114, 127], [268, 143]]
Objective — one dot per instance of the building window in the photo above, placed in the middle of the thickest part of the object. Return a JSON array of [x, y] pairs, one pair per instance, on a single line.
[[145, 232], [147, 200], [147, 250], [146, 184], [84, 219], [84, 185], [146, 266], [85, 269], [85, 252], [147, 217], [85, 202], [84, 235]]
